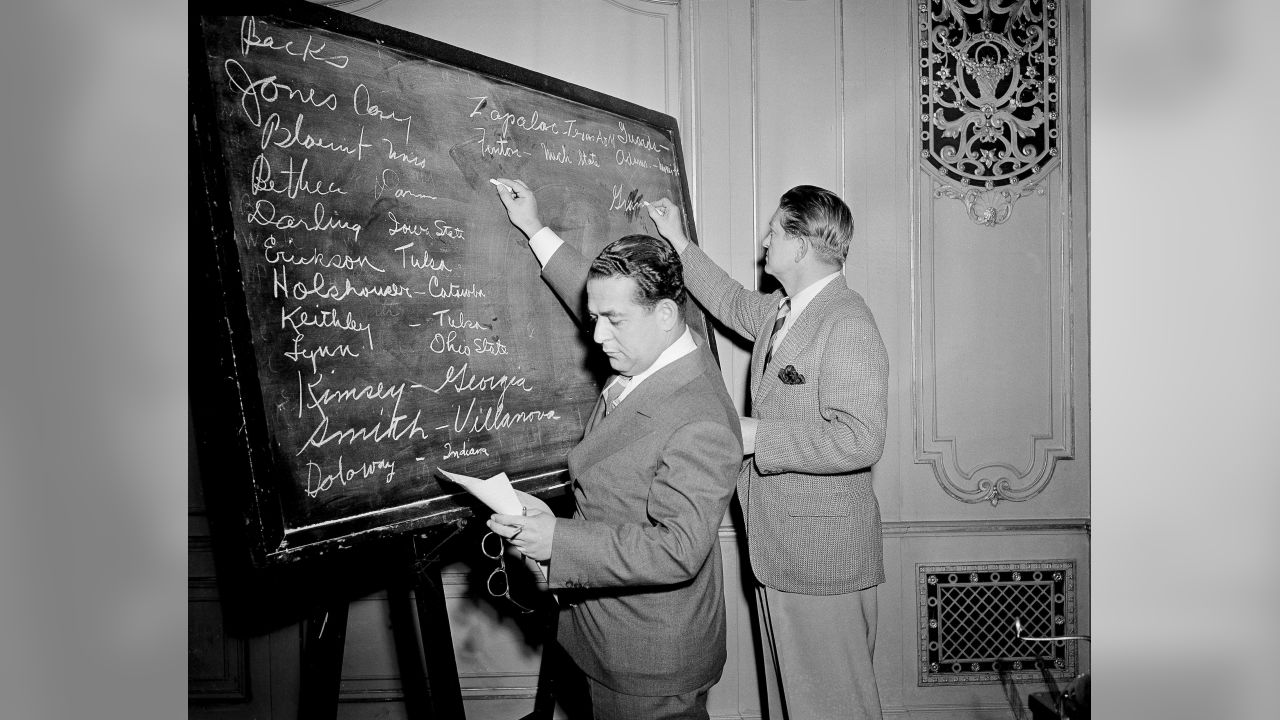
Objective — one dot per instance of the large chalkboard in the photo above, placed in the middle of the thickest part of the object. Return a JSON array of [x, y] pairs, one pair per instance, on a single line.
[[362, 309]]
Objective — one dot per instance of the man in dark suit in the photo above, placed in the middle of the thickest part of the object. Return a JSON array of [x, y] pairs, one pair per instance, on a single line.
[[819, 393], [639, 562]]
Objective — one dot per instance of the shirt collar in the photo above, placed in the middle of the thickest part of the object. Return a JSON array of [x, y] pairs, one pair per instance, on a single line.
[[801, 299]]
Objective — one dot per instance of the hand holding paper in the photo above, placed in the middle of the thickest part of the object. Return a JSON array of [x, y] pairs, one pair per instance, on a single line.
[[520, 510], [531, 531]]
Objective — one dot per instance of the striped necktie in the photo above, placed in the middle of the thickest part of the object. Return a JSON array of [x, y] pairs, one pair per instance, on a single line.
[[784, 308], [613, 393]]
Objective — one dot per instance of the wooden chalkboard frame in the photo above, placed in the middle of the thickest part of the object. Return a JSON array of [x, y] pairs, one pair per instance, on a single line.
[[228, 415]]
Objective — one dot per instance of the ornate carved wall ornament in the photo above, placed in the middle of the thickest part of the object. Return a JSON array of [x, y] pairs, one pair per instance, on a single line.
[[989, 100]]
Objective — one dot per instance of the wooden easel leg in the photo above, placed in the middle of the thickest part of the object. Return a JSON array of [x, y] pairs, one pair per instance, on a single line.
[[544, 703], [413, 678], [437, 641], [325, 635]]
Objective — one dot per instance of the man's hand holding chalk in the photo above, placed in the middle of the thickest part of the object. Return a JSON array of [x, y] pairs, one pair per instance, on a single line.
[[667, 220], [521, 205]]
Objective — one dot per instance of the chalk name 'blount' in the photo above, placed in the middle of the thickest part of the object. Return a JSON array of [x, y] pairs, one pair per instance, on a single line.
[[283, 138]]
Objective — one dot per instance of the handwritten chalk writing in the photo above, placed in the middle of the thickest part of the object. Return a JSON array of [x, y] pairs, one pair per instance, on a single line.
[[489, 346], [450, 342], [454, 290], [643, 142], [588, 159], [282, 137], [629, 204], [498, 148], [399, 228], [444, 229], [249, 39], [382, 184], [336, 261], [294, 180], [396, 430], [255, 92], [414, 160], [488, 419], [532, 122], [600, 137], [459, 321], [318, 481], [626, 159], [313, 354], [298, 318], [264, 213], [557, 156], [463, 380], [355, 392], [463, 451], [320, 289], [362, 105], [426, 262]]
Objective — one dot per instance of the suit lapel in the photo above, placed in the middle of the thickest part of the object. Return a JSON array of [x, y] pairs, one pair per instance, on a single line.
[[798, 338], [634, 417]]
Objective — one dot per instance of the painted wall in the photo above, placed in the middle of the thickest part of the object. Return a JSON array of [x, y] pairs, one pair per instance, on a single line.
[[986, 326]]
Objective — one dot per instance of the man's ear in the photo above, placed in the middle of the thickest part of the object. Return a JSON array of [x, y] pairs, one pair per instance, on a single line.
[[802, 247], [668, 313]]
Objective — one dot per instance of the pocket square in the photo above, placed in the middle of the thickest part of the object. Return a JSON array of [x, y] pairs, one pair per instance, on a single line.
[[790, 376]]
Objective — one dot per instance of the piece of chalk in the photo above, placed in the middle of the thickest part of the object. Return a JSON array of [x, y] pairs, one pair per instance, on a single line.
[[646, 203], [503, 185]]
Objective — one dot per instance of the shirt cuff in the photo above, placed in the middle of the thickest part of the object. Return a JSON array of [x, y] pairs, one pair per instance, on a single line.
[[544, 244]]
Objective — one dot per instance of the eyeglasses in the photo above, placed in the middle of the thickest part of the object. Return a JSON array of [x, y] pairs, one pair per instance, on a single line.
[[499, 584]]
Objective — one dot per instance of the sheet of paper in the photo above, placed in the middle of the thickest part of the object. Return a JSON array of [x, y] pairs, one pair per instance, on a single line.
[[496, 492]]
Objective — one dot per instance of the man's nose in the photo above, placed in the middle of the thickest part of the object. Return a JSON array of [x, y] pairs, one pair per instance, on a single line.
[[601, 331]]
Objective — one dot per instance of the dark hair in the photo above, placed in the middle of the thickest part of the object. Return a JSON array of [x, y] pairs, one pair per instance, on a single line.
[[822, 217], [652, 263]]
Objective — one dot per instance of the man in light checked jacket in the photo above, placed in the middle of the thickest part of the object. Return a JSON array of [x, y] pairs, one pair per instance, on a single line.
[[819, 396]]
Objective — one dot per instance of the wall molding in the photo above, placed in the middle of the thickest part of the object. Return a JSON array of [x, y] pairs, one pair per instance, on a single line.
[[940, 528]]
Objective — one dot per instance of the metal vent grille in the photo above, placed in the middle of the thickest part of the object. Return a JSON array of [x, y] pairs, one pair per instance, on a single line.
[[967, 615]]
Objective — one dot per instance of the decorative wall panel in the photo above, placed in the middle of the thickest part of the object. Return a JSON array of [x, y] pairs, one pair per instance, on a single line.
[[989, 100], [994, 298], [966, 621]]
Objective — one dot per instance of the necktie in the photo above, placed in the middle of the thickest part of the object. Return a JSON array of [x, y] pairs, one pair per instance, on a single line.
[[784, 307], [613, 393]]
